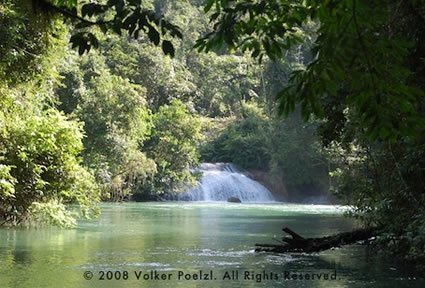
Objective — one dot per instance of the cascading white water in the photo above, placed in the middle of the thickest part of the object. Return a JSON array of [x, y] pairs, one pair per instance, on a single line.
[[220, 181]]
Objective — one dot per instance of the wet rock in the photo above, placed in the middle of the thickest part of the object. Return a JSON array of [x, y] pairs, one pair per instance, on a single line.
[[234, 200]]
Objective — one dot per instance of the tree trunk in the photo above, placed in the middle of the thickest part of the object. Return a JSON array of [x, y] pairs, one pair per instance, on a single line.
[[300, 244]]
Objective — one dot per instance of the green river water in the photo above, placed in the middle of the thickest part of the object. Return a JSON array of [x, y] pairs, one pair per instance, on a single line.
[[168, 244]]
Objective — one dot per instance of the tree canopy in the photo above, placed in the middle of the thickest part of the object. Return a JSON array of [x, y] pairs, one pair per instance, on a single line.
[[127, 119], [361, 60], [367, 57]]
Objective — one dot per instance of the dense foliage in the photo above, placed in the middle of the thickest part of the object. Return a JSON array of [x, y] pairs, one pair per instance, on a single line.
[[41, 167], [173, 145], [126, 119], [286, 149], [354, 51], [40, 148], [365, 81], [116, 122]]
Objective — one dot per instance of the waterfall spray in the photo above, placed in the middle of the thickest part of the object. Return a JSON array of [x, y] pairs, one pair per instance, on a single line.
[[220, 181]]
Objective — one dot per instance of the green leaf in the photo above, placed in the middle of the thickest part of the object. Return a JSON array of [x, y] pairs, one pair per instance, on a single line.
[[168, 48], [153, 35], [209, 4], [93, 40], [82, 48]]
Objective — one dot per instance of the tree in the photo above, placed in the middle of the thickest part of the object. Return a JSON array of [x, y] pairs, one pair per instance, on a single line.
[[369, 62], [342, 51], [115, 16], [173, 147], [116, 123], [243, 142], [41, 170], [287, 150], [163, 78], [358, 72], [224, 82], [366, 83]]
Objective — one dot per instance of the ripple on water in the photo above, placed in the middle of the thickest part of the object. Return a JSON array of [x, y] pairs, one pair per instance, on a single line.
[[272, 206], [278, 259], [220, 253], [98, 266], [212, 264]]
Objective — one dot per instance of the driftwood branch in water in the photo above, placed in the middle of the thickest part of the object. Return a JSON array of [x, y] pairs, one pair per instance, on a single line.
[[300, 244]]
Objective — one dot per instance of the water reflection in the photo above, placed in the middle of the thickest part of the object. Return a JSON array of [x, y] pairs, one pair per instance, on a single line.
[[172, 237]]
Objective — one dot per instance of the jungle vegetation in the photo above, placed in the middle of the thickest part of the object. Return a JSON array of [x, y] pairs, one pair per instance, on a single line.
[[113, 99]]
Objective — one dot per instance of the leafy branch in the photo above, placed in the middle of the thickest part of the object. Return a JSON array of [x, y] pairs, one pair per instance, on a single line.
[[123, 16]]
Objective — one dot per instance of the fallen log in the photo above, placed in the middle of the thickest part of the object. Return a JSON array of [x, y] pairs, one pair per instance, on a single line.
[[300, 244]]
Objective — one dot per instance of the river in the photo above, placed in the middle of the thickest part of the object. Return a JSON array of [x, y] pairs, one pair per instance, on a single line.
[[169, 244]]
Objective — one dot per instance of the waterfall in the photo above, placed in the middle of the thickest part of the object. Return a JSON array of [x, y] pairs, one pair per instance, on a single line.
[[220, 181]]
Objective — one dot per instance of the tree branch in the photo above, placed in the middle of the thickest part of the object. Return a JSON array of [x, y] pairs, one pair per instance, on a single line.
[[71, 15], [309, 245]]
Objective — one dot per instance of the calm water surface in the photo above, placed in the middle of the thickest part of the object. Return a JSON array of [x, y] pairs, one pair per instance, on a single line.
[[217, 238]]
